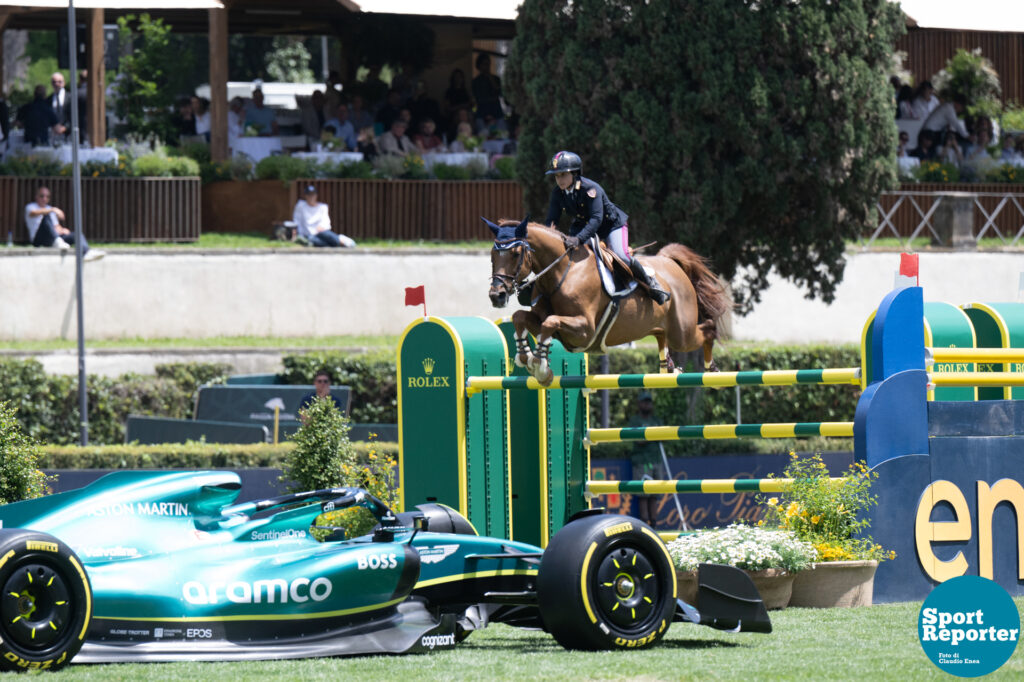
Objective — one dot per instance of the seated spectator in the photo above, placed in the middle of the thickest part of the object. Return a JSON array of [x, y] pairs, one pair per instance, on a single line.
[[490, 128], [904, 160], [37, 118], [44, 226], [313, 117], [904, 103], [366, 144], [236, 119], [925, 148], [343, 129], [201, 116], [950, 151], [1008, 153], [924, 101], [260, 117], [464, 140], [426, 140], [314, 224], [461, 116], [977, 159], [395, 142], [390, 110], [943, 120], [183, 120], [322, 384], [357, 113]]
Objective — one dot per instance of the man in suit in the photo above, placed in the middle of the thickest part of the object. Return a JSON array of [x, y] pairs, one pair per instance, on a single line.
[[61, 105]]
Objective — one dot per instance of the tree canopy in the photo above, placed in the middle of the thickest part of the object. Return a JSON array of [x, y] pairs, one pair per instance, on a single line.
[[759, 133]]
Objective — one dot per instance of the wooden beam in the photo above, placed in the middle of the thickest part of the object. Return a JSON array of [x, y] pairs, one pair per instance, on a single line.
[[95, 86], [218, 84]]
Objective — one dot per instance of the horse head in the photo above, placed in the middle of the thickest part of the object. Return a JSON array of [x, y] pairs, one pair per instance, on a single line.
[[510, 259]]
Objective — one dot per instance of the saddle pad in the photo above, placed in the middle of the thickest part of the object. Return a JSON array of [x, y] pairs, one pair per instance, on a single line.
[[615, 284]]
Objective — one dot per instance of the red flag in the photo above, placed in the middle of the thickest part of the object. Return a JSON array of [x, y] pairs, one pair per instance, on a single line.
[[415, 296], [908, 265]]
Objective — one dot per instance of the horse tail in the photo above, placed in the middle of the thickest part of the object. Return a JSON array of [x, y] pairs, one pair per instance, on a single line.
[[712, 300]]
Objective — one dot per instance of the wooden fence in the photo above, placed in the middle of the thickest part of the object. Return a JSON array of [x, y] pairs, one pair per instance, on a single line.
[[437, 210], [113, 209], [915, 202]]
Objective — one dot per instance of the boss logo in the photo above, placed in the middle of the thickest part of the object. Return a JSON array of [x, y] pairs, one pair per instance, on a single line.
[[375, 561]]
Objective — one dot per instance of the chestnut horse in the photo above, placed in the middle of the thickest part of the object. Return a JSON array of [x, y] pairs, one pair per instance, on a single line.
[[569, 303]]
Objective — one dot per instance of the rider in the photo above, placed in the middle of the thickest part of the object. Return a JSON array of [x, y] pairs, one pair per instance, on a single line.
[[593, 213]]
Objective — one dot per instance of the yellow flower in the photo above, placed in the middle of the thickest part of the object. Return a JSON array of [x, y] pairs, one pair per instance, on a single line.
[[792, 510], [773, 501], [816, 519]]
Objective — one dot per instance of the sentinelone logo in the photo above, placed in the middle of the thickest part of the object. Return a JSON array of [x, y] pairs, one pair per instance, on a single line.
[[969, 626], [428, 380]]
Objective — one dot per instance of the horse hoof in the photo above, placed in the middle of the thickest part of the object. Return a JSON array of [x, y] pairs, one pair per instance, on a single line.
[[711, 367], [545, 378], [522, 361]]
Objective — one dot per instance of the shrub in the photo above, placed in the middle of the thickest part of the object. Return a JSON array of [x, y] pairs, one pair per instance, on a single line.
[[1005, 173], [413, 168], [444, 171], [970, 74], [20, 477], [747, 547], [182, 167], [105, 169], [389, 166], [321, 448], [937, 171], [30, 166], [376, 474], [154, 164], [477, 170], [358, 170], [506, 167], [284, 168]]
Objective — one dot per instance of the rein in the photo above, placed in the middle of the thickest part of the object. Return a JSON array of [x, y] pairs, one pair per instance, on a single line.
[[517, 285]]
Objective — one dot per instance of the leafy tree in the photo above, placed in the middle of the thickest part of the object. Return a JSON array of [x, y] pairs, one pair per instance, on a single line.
[[321, 449], [145, 83], [970, 74], [20, 477], [758, 133], [289, 61]]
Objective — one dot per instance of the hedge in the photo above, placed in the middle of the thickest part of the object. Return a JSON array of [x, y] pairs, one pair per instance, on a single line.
[[180, 455]]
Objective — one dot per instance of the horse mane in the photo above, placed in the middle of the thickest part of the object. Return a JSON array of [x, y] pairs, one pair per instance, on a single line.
[[509, 222]]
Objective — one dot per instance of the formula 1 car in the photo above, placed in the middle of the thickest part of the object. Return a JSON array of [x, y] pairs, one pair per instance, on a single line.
[[164, 566]]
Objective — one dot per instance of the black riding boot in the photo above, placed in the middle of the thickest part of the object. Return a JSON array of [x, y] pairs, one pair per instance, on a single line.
[[657, 293]]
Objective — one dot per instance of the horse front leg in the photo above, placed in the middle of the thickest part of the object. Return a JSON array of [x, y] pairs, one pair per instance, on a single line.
[[567, 326], [526, 322], [666, 366], [709, 362]]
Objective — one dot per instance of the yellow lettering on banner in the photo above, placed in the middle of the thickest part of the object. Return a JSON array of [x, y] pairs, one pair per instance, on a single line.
[[1004, 490], [1018, 367], [428, 382], [927, 531]]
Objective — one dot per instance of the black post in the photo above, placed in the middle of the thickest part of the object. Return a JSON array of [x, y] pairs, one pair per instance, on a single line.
[[83, 398]]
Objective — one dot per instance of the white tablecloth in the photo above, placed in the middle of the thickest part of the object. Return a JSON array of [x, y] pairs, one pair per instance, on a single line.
[[463, 159], [908, 163], [63, 153], [333, 157], [257, 148]]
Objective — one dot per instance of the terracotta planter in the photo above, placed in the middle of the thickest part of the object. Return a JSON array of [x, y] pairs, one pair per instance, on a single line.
[[835, 584], [774, 584]]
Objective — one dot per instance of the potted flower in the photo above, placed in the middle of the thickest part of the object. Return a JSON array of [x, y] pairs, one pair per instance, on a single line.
[[829, 514], [771, 558]]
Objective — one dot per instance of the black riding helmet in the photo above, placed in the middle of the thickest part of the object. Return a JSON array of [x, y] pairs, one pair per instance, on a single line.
[[565, 162]]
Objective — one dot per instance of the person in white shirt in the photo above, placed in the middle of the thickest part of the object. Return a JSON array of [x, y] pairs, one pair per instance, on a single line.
[[44, 226], [944, 118], [201, 115], [924, 101], [313, 222], [236, 119]]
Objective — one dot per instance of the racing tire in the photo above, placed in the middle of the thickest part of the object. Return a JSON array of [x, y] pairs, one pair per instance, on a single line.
[[606, 582], [45, 603]]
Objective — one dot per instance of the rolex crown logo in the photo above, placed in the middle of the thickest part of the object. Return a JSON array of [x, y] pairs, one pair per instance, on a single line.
[[428, 365]]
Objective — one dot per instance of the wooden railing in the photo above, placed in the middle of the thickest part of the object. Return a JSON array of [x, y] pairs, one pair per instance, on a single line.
[[113, 209], [439, 210], [909, 211]]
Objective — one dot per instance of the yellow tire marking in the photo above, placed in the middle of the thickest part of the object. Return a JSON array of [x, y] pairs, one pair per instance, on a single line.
[[583, 582], [668, 558], [88, 596]]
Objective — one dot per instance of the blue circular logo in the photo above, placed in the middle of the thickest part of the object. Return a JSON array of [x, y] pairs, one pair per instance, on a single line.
[[968, 626]]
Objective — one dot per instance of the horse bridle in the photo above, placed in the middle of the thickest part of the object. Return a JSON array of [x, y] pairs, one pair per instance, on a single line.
[[512, 282]]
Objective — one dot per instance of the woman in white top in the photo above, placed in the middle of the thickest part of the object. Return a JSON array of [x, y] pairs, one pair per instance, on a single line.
[[201, 115], [314, 223]]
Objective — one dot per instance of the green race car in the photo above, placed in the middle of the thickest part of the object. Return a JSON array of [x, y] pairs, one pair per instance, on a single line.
[[165, 566]]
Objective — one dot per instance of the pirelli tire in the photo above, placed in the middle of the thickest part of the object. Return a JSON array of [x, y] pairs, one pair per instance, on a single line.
[[606, 582], [46, 603]]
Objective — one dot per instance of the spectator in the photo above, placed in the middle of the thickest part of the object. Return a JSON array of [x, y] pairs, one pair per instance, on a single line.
[[322, 389], [487, 90], [950, 151], [358, 114], [61, 105], [943, 120], [260, 117], [977, 158], [373, 89], [490, 128], [314, 224], [904, 103], [426, 140], [904, 160], [390, 110], [395, 142], [184, 120], [1008, 153], [925, 148], [343, 129], [424, 106], [201, 116], [461, 116], [366, 143], [405, 82], [646, 457], [236, 119], [44, 226], [925, 101], [456, 97], [333, 95], [37, 118], [464, 140], [405, 114]]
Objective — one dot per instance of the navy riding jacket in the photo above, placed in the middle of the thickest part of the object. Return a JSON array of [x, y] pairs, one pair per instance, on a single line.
[[591, 210]]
